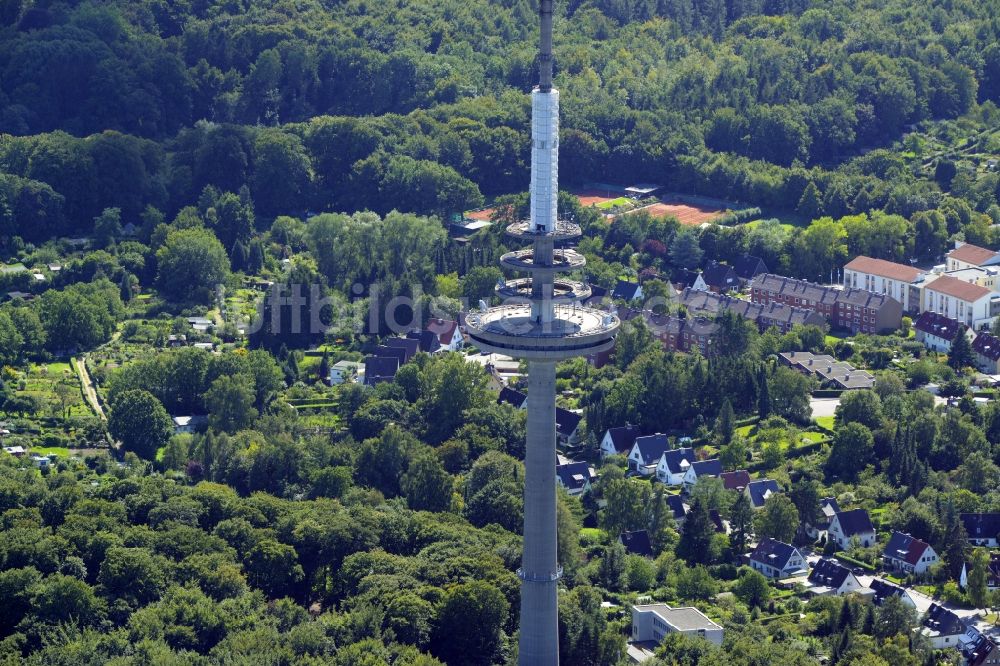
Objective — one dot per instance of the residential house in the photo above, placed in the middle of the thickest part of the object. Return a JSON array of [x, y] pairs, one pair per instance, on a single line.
[[899, 281], [700, 469], [937, 332], [673, 465], [646, 454], [992, 573], [883, 589], [778, 315], [637, 543], [683, 279], [568, 426], [827, 508], [186, 425], [979, 649], [575, 477], [41, 462], [853, 524], [983, 529], [678, 508], [380, 369], [736, 480], [942, 627], [776, 559], [969, 303], [829, 371], [627, 291], [512, 397], [986, 349], [448, 333], [386, 351], [908, 555], [344, 371], [683, 334], [856, 310], [409, 346], [426, 339], [829, 577], [618, 441], [967, 255], [748, 267], [652, 622], [16, 451], [720, 278], [758, 491]]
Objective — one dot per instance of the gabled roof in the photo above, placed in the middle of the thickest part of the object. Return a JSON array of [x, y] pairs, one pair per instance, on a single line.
[[883, 268], [408, 345], [684, 278], [625, 291], [772, 553], [444, 329], [748, 266], [380, 369], [711, 467], [854, 522], [979, 649], [637, 543], [760, 490], [827, 573], [941, 620], [737, 480], [987, 345], [574, 475], [829, 506], [567, 421], [973, 254], [938, 325], [905, 547], [677, 506], [511, 397], [883, 590], [981, 525], [720, 276], [386, 351], [677, 460], [651, 447], [963, 291], [428, 341], [623, 437]]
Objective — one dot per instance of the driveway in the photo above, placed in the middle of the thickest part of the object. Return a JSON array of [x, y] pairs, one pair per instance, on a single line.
[[823, 406]]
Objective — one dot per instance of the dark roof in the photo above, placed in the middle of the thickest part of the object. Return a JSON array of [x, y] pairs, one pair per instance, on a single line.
[[883, 589], [936, 324], [574, 475], [855, 521], [683, 277], [675, 457], [772, 552], [385, 351], [677, 506], [978, 650], [623, 437], [981, 525], [737, 480], [380, 369], [905, 547], [567, 421], [651, 447], [943, 621], [716, 518], [637, 543], [987, 345], [428, 341], [408, 345], [720, 276], [711, 467], [748, 266], [758, 490], [597, 291], [511, 397], [830, 502], [779, 284], [764, 315], [625, 291], [828, 573]]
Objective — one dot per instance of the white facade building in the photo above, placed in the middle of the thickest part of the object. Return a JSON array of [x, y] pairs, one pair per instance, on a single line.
[[652, 622]]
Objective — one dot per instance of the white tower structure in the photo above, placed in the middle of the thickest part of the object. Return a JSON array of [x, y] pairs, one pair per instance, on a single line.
[[541, 321]]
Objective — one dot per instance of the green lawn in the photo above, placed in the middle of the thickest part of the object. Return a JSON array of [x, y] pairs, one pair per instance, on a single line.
[[60, 451], [825, 422], [614, 203]]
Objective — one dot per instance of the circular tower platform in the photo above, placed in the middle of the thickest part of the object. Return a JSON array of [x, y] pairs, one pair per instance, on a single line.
[[512, 330]]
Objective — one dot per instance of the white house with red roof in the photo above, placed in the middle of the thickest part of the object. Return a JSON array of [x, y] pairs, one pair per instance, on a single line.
[[967, 255], [908, 555], [900, 281], [448, 333], [965, 302]]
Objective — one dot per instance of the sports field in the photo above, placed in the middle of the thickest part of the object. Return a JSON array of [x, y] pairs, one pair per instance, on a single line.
[[687, 214], [589, 197], [481, 215]]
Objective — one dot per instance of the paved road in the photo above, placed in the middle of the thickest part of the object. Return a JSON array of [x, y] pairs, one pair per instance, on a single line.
[[88, 387]]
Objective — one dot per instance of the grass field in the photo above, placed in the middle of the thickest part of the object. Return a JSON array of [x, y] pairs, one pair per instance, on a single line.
[[613, 203], [825, 422], [589, 197]]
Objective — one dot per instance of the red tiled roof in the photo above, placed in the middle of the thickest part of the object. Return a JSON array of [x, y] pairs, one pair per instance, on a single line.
[[964, 291], [972, 254], [442, 328], [883, 268]]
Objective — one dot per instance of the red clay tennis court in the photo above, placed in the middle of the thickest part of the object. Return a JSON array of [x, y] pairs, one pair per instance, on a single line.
[[481, 215], [592, 197], [687, 214]]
